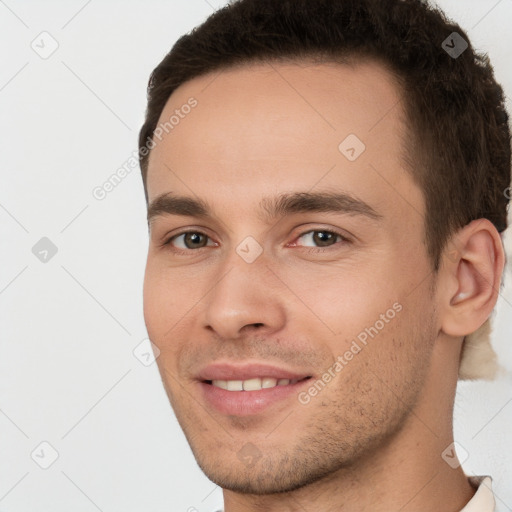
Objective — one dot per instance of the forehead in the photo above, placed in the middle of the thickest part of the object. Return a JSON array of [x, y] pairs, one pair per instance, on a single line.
[[283, 127]]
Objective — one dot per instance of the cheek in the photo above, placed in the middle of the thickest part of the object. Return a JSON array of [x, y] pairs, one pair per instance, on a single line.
[[164, 301], [344, 298], [171, 302], [367, 310], [153, 295], [162, 311]]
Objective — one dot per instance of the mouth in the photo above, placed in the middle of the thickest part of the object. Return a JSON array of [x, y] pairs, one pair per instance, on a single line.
[[238, 401], [254, 383], [250, 388]]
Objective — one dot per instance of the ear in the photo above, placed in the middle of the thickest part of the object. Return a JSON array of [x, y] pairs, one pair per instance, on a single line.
[[473, 264]]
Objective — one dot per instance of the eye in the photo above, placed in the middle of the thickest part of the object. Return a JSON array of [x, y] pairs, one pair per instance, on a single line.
[[189, 240], [321, 238]]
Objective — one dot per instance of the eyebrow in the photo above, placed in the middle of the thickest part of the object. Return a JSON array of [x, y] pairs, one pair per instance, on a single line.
[[271, 207]]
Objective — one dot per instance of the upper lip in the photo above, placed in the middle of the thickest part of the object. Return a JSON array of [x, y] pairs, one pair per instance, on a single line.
[[245, 371]]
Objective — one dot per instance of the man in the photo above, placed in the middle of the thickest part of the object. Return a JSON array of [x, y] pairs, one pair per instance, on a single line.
[[325, 183]]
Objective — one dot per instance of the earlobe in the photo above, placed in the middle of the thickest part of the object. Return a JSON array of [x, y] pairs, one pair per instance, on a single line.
[[476, 273]]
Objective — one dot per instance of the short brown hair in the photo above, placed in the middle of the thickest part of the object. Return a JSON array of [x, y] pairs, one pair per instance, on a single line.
[[459, 151]]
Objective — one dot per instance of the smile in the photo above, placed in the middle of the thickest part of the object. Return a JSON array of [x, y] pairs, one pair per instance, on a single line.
[[254, 384]]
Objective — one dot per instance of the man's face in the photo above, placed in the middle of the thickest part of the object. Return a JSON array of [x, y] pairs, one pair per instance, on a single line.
[[247, 295]]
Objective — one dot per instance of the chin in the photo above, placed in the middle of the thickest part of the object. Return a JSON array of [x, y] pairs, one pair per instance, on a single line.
[[266, 476]]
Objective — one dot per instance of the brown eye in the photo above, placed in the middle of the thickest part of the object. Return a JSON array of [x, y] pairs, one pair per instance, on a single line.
[[321, 238], [324, 238], [189, 240]]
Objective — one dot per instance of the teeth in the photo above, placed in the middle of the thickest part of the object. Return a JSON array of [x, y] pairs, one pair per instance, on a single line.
[[252, 384], [268, 382], [235, 385]]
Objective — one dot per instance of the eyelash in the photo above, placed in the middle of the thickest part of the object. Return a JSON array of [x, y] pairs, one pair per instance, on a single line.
[[187, 252]]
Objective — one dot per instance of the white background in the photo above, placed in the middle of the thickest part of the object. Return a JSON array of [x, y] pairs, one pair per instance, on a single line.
[[68, 375]]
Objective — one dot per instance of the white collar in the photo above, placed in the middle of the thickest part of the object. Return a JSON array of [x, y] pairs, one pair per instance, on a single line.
[[483, 500]]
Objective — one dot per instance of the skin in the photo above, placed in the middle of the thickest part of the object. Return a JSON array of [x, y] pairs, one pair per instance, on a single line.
[[372, 439]]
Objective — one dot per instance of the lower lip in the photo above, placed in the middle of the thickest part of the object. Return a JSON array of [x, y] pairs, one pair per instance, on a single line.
[[246, 403]]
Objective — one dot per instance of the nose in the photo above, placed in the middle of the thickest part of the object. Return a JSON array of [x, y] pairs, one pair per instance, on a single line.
[[246, 296]]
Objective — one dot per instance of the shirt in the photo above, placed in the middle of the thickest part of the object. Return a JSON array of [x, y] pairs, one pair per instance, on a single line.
[[482, 501]]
